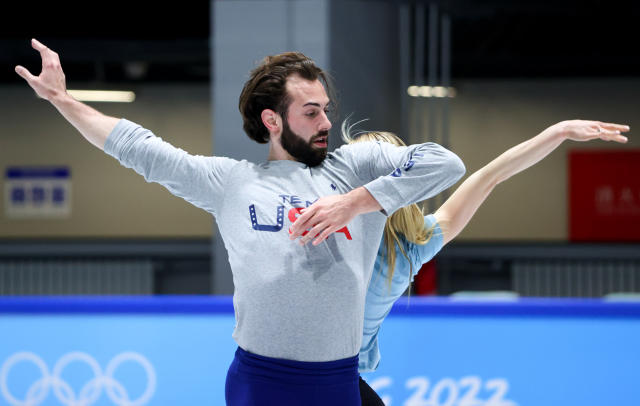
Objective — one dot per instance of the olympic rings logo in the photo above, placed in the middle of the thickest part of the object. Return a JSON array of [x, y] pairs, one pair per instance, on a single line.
[[91, 390]]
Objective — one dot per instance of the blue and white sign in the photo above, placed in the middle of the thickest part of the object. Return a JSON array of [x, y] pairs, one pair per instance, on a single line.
[[138, 351], [37, 192]]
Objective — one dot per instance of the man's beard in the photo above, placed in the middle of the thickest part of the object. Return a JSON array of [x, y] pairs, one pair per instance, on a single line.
[[299, 149]]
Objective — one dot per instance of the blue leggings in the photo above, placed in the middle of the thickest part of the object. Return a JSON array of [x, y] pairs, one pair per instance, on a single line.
[[262, 381]]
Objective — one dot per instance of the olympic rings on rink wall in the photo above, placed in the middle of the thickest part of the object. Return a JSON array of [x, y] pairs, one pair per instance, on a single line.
[[51, 382]]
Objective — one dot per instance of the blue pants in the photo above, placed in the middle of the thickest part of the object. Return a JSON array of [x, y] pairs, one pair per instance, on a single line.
[[254, 380]]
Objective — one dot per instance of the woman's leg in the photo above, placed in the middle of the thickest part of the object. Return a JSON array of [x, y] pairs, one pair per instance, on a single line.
[[368, 396]]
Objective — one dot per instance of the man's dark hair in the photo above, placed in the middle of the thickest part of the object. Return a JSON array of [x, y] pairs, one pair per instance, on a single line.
[[266, 89]]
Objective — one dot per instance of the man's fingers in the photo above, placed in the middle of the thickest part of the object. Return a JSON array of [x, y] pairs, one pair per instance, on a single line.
[[323, 236], [38, 46], [297, 228], [315, 230], [301, 224], [48, 56], [24, 73]]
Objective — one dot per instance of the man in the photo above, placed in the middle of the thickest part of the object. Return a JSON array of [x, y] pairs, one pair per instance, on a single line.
[[299, 307]]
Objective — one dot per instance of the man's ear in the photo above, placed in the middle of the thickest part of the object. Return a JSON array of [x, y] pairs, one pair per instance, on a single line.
[[271, 120]]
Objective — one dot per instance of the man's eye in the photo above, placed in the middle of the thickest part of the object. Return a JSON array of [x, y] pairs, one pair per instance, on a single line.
[[311, 114]]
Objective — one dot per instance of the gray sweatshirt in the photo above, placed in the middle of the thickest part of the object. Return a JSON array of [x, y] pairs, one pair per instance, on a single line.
[[303, 303]]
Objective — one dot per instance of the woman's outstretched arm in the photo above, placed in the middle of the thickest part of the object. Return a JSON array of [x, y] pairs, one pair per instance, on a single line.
[[456, 212]]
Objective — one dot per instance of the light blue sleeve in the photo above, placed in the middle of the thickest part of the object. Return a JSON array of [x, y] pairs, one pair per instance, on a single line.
[[381, 297], [421, 254], [198, 179]]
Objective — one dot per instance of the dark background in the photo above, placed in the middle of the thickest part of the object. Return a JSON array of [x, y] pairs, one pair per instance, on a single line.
[[129, 42]]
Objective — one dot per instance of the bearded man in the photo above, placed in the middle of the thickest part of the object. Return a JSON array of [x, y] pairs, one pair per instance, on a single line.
[[299, 307]]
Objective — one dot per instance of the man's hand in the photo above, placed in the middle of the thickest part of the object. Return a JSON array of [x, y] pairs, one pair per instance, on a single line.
[[50, 84], [585, 130], [331, 213]]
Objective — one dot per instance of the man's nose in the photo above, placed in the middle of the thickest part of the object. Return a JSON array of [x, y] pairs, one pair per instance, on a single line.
[[325, 125]]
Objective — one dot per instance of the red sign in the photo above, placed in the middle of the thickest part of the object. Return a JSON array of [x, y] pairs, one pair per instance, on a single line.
[[604, 195]]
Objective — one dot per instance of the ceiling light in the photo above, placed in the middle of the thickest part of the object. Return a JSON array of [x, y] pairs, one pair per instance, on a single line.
[[109, 96], [431, 91], [413, 91]]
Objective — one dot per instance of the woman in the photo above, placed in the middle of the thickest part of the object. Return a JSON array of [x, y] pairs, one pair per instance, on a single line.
[[411, 240]]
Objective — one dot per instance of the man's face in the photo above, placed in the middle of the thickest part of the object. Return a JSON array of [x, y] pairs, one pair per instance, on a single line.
[[301, 150], [305, 129]]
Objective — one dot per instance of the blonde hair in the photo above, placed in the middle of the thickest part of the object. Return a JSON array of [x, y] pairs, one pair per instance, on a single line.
[[407, 221]]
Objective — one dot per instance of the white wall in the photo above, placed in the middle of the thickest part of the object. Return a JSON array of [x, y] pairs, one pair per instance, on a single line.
[[108, 200]]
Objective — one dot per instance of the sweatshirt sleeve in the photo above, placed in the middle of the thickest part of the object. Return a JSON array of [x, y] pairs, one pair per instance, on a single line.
[[421, 254], [397, 176], [197, 179]]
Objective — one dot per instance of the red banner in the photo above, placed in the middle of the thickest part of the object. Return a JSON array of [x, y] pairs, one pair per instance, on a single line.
[[604, 195]]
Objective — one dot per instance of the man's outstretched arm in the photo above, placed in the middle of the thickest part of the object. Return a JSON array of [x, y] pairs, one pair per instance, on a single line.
[[197, 179], [51, 86]]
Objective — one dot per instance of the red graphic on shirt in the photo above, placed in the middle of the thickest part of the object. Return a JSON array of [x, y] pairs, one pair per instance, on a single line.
[[293, 215]]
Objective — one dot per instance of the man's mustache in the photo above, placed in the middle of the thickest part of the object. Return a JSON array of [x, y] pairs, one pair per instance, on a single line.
[[320, 135]]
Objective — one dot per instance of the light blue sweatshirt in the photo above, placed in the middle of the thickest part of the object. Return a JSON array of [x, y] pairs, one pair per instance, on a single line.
[[303, 303], [381, 297]]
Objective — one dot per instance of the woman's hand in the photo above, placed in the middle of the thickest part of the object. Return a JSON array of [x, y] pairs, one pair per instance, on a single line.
[[585, 130]]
